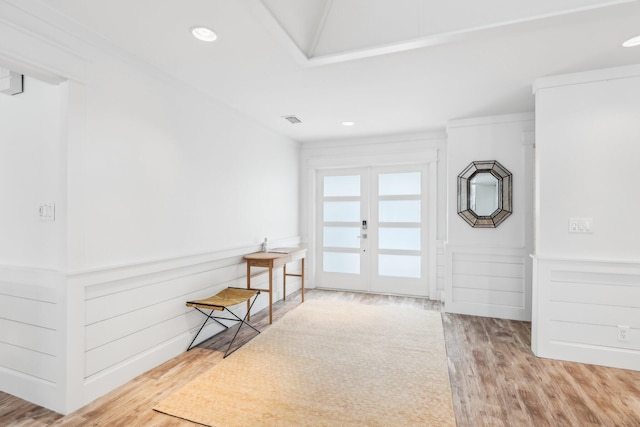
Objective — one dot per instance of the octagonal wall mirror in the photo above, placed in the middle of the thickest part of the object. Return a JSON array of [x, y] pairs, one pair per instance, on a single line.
[[485, 193]]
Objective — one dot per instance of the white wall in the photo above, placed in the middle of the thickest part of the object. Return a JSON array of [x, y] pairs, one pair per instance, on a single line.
[[30, 165], [166, 172], [159, 192], [587, 156], [32, 252], [585, 285], [487, 270]]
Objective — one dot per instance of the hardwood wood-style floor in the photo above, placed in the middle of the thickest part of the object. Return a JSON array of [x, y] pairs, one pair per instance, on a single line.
[[495, 379]]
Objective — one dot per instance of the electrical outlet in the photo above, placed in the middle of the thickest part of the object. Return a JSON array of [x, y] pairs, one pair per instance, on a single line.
[[623, 333]]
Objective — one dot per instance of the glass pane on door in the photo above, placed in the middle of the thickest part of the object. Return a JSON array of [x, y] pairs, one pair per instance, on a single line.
[[399, 211], [337, 262], [399, 266], [341, 237], [399, 238], [341, 212]]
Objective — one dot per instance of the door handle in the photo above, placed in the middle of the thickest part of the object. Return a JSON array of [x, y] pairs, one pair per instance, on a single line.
[[363, 236]]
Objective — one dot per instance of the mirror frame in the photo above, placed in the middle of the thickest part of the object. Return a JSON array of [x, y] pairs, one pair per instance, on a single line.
[[505, 194]]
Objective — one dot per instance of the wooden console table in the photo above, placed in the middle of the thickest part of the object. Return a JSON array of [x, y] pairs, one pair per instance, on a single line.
[[273, 260]]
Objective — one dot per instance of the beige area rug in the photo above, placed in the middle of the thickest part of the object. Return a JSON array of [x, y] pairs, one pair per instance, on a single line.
[[328, 364]]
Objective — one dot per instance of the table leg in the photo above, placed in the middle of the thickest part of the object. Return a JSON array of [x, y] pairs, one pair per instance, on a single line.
[[284, 282], [270, 295], [248, 287]]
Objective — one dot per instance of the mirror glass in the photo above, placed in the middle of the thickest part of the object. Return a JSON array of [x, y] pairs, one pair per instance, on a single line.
[[483, 193]]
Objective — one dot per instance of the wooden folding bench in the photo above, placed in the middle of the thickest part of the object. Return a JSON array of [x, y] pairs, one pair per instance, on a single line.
[[221, 302]]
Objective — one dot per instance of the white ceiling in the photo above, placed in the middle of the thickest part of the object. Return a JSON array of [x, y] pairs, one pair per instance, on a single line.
[[391, 66]]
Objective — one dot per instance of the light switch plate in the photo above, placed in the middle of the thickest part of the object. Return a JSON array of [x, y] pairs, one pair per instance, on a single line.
[[47, 212], [581, 225]]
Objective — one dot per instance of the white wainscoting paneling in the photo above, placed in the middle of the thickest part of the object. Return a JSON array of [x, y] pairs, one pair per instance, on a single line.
[[440, 272], [66, 340], [135, 317], [578, 306], [487, 281], [31, 334]]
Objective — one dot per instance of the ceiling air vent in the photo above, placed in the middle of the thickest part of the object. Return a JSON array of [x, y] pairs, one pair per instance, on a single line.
[[293, 120]]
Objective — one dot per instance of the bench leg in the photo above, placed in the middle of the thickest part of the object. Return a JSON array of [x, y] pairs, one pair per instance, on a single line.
[[242, 322], [209, 316]]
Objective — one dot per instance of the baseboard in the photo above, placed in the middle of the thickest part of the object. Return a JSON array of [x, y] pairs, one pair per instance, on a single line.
[[592, 355], [102, 383], [31, 389]]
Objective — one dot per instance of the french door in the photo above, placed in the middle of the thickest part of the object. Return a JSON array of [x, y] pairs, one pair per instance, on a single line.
[[372, 230]]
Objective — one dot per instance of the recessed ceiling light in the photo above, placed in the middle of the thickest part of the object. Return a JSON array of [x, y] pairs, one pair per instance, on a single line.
[[348, 123], [203, 33], [632, 42]]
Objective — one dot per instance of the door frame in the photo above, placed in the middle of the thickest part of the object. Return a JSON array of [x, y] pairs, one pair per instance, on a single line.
[[428, 157]]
